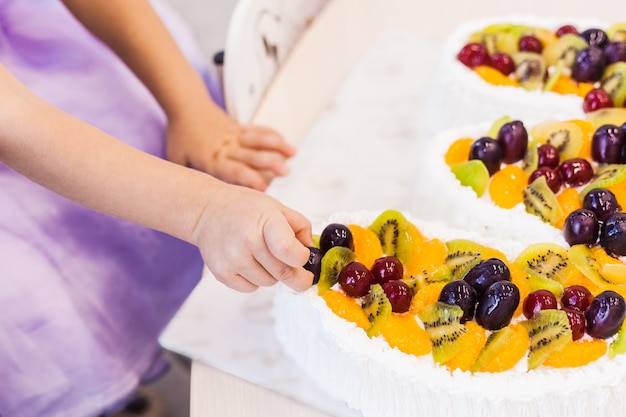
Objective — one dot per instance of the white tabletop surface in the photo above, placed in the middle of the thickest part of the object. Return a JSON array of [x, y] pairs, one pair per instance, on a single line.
[[357, 156]]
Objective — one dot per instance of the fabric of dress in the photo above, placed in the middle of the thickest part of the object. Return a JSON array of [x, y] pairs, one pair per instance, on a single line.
[[83, 296]]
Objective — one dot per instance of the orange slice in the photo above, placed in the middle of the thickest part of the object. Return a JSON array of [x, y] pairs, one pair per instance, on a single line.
[[506, 187], [425, 296], [569, 200], [494, 77], [402, 331], [459, 151], [367, 247], [514, 351], [346, 307], [587, 129], [619, 190], [473, 342], [518, 277], [579, 353]]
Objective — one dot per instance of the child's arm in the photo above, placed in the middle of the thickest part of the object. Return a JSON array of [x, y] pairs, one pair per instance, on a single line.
[[244, 248], [200, 134]]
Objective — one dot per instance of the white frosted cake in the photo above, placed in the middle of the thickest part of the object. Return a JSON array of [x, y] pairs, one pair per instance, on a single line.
[[459, 96], [378, 380]]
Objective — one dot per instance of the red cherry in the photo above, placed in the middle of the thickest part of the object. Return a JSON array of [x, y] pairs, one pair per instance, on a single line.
[[576, 297], [537, 301], [548, 156], [355, 279], [577, 322], [566, 29], [575, 172], [387, 268], [502, 62], [474, 54], [596, 99], [399, 295], [529, 43]]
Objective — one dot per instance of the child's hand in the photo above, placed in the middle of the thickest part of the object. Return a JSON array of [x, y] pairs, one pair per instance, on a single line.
[[210, 141], [248, 240]]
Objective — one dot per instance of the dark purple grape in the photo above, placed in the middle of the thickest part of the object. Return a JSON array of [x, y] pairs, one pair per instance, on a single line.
[[607, 144], [502, 62], [530, 43], [577, 322], [581, 227], [497, 305], [615, 52], [575, 172], [485, 273], [387, 268], [462, 294], [576, 297], [473, 54], [613, 235], [595, 37], [513, 139], [553, 178], [548, 156], [605, 315], [336, 234], [539, 300], [602, 202], [399, 295], [589, 65], [489, 151], [314, 264], [355, 279]]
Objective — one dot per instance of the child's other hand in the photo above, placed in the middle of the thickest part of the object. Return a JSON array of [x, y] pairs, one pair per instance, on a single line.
[[209, 140], [248, 239]]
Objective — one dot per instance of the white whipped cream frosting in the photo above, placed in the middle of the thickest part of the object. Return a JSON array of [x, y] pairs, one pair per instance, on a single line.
[[458, 96], [381, 381]]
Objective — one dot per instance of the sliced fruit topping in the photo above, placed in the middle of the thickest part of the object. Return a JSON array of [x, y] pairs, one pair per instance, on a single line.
[[495, 77], [530, 70], [549, 332], [606, 176], [377, 308], [506, 187], [473, 342], [614, 82], [458, 151], [531, 158], [555, 76], [565, 49], [397, 236], [347, 308], [442, 322], [618, 346], [333, 261], [617, 32], [426, 296], [612, 116], [404, 333], [493, 130], [565, 136], [541, 201], [367, 247], [575, 354], [462, 256], [546, 260], [503, 350]]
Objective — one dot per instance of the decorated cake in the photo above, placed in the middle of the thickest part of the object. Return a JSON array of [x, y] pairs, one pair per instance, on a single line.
[[527, 67], [415, 318]]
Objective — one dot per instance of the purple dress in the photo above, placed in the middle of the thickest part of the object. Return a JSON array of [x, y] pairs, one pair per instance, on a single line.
[[83, 296]]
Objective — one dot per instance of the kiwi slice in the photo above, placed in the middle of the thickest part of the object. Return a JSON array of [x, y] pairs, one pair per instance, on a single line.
[[607, 116], [442, 322], [377, 308], [496, 342], [538, 282], [497, 125], [463, 255], [614, 82], [554, 76], [549, 331], [332, 263], [395, 235], [565, 49], [426, 277], [546, 260], [530, 70], [617, 32], [618, 346], [606, 176], [566, 137], [541, 201], [472, 173], [530, 162], [614, 273], [582, 258], [496, 42]]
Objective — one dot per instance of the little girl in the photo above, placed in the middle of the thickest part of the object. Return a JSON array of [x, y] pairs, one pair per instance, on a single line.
[[95, 96]]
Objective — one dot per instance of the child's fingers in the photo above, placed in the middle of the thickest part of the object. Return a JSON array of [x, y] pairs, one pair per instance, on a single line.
[[260, 160], [261, 137]]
